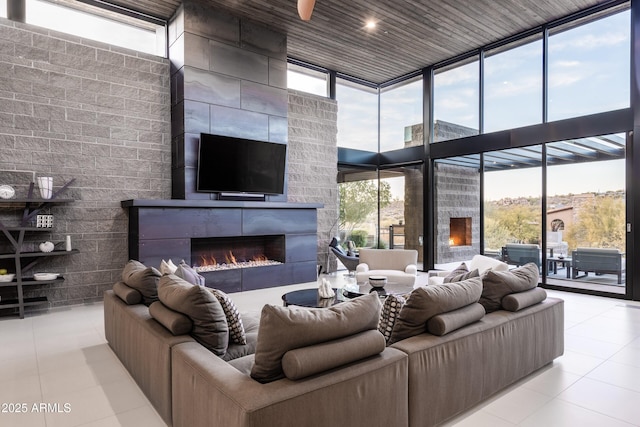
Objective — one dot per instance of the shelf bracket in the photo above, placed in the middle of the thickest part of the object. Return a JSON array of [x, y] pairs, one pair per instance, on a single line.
[[29, 213]]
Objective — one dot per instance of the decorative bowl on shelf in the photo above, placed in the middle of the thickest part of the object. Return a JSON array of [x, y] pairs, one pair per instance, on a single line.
[[377, 281], [7, 277], [45, 276]]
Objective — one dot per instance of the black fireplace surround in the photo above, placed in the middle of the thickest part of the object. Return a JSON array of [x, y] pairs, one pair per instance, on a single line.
[[190, 229]]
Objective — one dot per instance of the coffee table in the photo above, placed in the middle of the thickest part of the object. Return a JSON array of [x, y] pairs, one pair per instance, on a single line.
[[310, 298], [391, 288]]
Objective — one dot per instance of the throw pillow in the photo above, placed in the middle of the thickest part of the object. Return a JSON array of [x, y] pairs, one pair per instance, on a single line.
[[143, 279], [198, 303], [189, 274], [236, 328], [390, 310], [442, 324], [498, 284], [427, 301], [461, 273], [127, 294], [176, 323], [520, 300], [286, 328], [167, 267]]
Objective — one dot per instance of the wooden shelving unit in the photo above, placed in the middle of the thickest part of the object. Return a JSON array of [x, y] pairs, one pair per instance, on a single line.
[[25, 261]]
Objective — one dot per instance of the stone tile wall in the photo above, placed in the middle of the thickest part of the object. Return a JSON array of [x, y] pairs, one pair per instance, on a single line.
[[457, 196], [313, 159], [74, 108]]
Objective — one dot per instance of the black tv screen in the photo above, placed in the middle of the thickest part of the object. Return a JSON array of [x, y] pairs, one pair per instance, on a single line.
[[238, 165]]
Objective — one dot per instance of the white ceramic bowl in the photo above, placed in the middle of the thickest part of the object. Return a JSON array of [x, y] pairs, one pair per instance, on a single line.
[[377, 281], [45, 276], [7, 277]]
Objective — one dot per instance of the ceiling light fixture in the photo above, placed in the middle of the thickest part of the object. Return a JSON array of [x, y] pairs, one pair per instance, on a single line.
[[370, 25], [305, 9]]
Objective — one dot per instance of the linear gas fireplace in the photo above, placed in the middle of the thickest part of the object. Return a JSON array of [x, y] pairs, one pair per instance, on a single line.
[[224, 253], [237, 246]]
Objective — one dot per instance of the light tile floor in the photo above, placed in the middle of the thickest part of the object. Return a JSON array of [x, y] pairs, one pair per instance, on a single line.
[[57, 370]]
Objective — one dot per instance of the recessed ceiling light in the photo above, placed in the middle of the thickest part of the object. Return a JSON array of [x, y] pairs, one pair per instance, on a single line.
[[370, 25]]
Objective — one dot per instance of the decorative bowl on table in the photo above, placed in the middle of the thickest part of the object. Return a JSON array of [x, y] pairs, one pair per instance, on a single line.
[[377, 281], [45, 276], [7, 277]]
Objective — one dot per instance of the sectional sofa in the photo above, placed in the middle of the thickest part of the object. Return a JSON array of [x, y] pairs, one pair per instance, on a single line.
[[332, 366]]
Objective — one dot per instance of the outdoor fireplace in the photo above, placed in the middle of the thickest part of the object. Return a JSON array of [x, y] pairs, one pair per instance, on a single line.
[[460, 231], [225, 253]]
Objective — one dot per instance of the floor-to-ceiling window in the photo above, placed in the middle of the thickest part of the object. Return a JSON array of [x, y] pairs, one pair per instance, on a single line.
[[513, 85], [401, 122], [456, 101], [401, 219], [512, 205], [357, 116], [589, 66], [585, 217]]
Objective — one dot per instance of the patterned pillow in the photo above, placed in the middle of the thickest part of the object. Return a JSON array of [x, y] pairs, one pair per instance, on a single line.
[[389, 313], [460, 273], [236, 328]]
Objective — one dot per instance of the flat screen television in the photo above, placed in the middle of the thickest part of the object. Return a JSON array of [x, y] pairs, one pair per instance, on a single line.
[[238, 165]]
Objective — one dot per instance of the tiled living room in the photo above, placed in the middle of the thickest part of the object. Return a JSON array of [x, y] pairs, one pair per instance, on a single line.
[[122, 128]]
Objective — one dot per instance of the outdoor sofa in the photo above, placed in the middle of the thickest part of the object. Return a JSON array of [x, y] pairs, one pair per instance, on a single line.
[[598, 261], [421, 380]]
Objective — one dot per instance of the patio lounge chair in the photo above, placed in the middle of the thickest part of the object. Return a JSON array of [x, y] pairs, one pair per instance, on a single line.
[[350, 262], [520, 254], [597, 260]]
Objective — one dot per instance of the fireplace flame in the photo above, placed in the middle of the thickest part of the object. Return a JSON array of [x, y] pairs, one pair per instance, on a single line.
[[208, 260], [229, 258], [260, 257]]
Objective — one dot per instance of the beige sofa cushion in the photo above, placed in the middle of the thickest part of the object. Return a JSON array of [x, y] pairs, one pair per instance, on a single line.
[[427, 301], [520, 300], [143, 279], [306, 361], [127, 294], [198, 303], [498, 284], [287, 328]]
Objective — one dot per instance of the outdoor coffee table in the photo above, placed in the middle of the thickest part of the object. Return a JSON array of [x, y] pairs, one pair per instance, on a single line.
[[565, 262]]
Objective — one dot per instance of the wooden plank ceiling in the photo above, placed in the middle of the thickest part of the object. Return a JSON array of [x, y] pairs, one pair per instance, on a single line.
[[409, 34]]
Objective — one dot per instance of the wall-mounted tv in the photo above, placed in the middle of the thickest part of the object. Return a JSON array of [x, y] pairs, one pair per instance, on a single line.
[[239, 165]]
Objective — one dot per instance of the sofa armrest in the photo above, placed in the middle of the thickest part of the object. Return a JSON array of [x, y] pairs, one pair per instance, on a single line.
[[411, 269], [362, 268], [208, 391]]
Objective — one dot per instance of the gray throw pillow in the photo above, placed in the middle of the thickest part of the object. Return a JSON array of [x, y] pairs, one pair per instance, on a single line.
[[143, 279], [201, 306], [287, 328], [127, 294], [461, 273], [427, 301], [189, 274], [498, 284]]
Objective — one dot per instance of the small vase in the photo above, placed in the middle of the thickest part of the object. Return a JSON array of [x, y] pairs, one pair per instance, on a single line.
[[45, 183]]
